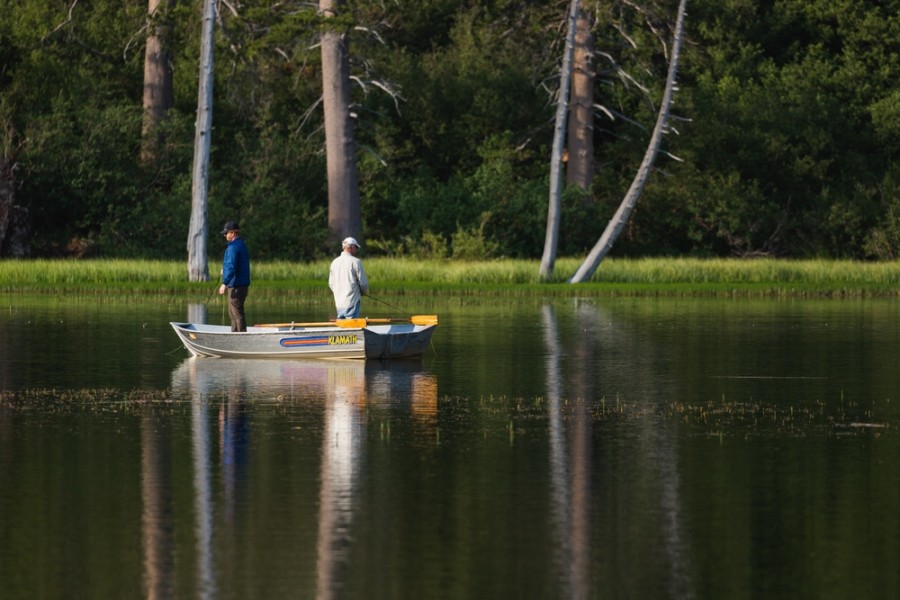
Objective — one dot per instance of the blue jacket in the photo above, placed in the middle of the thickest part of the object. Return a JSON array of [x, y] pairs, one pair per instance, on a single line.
[[236, 264]]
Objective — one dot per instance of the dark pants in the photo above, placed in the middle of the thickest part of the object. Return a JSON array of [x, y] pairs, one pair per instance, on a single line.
[[236, 299]]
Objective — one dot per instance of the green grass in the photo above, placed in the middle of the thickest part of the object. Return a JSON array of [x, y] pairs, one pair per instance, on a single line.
[[640, 277]]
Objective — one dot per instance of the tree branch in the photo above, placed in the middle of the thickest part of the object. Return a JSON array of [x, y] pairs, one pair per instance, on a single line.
[[64, 23]]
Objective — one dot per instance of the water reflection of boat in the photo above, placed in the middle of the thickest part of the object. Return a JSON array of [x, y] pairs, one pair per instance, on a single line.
[[385, 381], [289, 377], [349, 338]]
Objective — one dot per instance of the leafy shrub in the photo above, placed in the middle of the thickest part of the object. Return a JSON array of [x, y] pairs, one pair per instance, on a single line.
[[470, 244]]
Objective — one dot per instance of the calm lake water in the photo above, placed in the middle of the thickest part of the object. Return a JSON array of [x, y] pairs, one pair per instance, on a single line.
[[600, 448]]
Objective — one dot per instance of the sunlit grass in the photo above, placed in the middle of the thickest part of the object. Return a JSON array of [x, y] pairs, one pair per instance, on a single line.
[[649, 276]]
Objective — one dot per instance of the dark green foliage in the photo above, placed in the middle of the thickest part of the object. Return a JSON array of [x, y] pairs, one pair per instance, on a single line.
[[791, 135], [790, 148]]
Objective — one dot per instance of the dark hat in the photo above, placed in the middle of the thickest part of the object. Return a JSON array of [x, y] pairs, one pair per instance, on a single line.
[[230, 226]]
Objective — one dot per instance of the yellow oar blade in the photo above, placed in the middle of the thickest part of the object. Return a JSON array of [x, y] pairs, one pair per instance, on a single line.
[[424, 319], [415, 320]]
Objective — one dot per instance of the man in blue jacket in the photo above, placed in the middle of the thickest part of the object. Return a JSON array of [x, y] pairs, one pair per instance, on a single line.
[[235, 275]]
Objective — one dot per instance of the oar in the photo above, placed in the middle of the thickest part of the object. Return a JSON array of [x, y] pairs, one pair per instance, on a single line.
[[357, 323], [345, 323]]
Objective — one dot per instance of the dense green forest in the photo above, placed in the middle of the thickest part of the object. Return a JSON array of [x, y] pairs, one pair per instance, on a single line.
[[785, 134]]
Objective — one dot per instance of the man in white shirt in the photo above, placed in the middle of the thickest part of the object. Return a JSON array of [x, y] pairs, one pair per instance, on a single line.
[[347, 279]]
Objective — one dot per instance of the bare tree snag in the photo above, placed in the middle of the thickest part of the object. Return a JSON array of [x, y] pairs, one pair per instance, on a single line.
[[15, 224], [344, 212], [198, 263], [158, 94], [620, 218], [580, 164], [551, 239]]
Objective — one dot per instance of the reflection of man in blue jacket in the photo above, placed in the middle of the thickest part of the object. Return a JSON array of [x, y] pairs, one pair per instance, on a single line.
[[235, 275]]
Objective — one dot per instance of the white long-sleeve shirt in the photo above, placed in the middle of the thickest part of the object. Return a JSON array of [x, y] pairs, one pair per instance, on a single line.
[[347, 279]]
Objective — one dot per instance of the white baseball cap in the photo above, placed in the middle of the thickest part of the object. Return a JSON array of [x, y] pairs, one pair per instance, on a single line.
[[349, 242]]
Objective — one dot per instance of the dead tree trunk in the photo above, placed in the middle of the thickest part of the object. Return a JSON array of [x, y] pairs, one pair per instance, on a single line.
[[344, 212], [620, 218], [198, 264], [15, 228], [580, 164], [158, 95], [551, 239]]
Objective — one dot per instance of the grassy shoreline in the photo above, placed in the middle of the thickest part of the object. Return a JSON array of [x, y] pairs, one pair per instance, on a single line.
[[615, 277]]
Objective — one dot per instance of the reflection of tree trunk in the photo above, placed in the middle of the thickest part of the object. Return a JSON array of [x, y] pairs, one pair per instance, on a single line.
[[158, 95], [620, 218], [156, 519], [655, 455], [581, 467], [203, 505], [344, 213], [570, 470], [580, 139], [197, 313]]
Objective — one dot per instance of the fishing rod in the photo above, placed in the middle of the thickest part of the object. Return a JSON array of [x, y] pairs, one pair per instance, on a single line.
[[215, 289], [212, 295], [388, 305]]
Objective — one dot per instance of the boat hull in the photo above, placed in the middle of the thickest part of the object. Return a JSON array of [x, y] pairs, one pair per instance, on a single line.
[[396, 340]]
